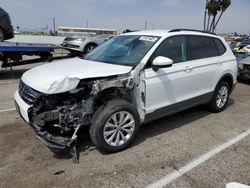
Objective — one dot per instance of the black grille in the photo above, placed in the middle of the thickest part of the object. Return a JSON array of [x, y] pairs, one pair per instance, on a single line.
[[28, 94]]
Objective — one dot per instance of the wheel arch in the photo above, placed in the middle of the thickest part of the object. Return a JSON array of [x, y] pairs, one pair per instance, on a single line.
[[227, 78], [113, 93], [90, 43]]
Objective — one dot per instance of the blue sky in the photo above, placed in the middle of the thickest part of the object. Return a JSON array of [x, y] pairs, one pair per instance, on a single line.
[[123, 14]]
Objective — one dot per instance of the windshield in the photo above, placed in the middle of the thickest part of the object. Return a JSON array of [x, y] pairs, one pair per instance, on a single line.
[[123, 50]]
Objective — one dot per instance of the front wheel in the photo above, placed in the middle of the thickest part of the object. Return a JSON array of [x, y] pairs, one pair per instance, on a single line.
[[88, 48], [114, 126], [220, 98]]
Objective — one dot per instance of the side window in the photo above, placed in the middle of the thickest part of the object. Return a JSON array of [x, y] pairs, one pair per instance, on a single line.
[[220, 46], [173, 48], [201, 47]]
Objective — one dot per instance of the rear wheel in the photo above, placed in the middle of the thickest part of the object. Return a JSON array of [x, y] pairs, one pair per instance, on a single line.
[[1, 35], [220, 98], [114, 126]]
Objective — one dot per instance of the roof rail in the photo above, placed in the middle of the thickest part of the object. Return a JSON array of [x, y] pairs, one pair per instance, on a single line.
[[177, 30]]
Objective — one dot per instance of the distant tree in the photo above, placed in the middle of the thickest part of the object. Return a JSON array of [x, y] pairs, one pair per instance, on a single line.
[[212, 9], [51, 33], [224, 4], [205, 16]]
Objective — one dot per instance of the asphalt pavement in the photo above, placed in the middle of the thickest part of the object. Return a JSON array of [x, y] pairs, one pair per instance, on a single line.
[[162, 148]]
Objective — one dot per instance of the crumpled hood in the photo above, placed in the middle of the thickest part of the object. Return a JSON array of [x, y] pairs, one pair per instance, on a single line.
[[64, 75]]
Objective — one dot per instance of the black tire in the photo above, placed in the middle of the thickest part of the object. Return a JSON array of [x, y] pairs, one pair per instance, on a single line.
[[2, 37], [103, 115], [213, 105], [88, 48]]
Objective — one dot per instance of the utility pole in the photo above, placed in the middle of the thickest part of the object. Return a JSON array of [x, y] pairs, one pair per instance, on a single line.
[[146, 24], [153, 26], [54, 26], [87, 23]]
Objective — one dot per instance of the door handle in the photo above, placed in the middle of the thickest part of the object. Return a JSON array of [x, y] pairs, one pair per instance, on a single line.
[[188, 69]]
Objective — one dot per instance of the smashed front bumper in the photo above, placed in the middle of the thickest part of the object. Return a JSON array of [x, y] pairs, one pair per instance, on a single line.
[[58, 144], [51, 140]]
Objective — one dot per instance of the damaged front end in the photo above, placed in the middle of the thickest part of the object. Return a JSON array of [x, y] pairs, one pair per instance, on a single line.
[[57, 118], [58, 125]]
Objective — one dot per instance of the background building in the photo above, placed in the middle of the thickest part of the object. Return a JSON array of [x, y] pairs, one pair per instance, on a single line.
[[66, 31]]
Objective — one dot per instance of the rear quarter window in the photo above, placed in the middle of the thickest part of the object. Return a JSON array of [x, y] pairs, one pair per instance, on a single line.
[[200, 47], [220, 46]]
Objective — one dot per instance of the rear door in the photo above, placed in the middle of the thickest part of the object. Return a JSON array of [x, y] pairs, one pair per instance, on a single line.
[[206, 64]]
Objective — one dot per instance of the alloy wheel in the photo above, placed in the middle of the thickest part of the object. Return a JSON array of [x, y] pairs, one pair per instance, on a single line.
[[119, 128], [90, 48], [222, 96]]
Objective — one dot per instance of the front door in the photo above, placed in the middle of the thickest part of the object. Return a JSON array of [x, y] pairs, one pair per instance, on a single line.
[[168, 86]]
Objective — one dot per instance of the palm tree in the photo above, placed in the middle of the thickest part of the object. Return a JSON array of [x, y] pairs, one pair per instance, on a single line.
[[224, 4], [213, 7], [205, 15], [208, 7]]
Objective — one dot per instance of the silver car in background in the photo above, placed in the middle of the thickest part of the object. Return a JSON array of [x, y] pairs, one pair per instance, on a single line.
[[84, 44]]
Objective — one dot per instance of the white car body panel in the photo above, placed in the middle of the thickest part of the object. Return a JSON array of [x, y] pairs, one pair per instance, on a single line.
[[23, 106], [64, 75], [186, 80], [167, 86], [205, 73]]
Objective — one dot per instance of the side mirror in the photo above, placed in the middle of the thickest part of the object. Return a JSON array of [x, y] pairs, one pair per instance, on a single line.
[[161, 62]]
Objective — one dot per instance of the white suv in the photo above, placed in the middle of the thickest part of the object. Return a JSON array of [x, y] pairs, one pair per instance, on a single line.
[[131, 79]]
